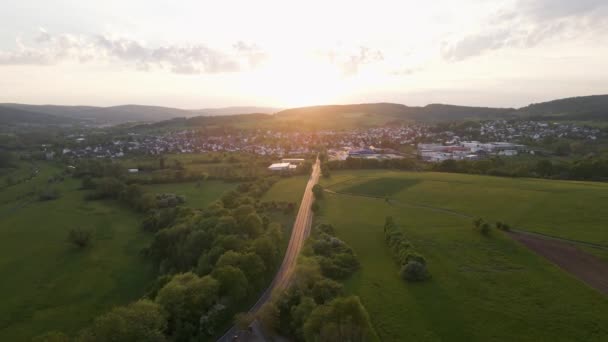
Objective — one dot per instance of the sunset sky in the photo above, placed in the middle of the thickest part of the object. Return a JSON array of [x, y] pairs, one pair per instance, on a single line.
[[196, 54]]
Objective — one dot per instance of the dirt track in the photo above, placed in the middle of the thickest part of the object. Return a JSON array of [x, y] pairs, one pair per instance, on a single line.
[[584, 266]]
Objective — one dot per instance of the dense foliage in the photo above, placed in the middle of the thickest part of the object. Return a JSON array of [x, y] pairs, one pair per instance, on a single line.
[[413, 264], [314, 307]]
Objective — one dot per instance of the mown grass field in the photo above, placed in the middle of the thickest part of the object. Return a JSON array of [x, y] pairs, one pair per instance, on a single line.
[[482, 288]]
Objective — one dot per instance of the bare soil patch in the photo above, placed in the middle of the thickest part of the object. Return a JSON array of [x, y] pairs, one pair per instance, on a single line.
[[584, 266]]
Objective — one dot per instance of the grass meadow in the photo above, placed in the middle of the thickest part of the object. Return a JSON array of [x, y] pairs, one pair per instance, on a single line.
[[196, 196], [482, 288], [47, 284], [567, 209]]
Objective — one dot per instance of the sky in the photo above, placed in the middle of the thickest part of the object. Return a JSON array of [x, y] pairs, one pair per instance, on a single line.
[[281, 53]]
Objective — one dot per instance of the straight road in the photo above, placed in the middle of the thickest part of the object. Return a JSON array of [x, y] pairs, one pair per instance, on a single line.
[[301, 229]]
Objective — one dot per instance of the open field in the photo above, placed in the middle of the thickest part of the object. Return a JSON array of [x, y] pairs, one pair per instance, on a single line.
[[567, 209], [49, 285], [288, 189], [482, 288], [196, 197]]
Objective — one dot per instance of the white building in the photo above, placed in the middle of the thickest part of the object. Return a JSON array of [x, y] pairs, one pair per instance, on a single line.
[[279, 167]]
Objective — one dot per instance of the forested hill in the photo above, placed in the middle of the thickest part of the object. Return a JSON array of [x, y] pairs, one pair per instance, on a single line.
[[582, 108], [14, 116], [593, 107], [397, 111]]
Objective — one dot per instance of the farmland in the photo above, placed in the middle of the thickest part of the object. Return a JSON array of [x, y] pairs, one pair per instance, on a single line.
[[482, 288]]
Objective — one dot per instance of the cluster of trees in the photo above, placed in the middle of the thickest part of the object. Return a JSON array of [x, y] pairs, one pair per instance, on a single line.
[[413, 264], [314, 307], [6, 159], [209, 261], [483, 227], [581, 169], [364, 163]]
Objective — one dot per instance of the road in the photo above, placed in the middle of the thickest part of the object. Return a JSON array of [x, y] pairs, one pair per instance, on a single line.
[[301, 229]]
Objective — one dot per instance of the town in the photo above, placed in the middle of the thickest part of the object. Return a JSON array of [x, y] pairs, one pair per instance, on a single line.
[[429, 142]]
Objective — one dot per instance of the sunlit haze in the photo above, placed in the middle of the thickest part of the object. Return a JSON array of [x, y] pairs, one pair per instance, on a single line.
[[195, 54]]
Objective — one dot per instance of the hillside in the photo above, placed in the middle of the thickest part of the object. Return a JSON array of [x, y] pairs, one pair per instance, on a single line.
[[328, 116], [13, 116], [234, 111], [593, 107], [397, 111]]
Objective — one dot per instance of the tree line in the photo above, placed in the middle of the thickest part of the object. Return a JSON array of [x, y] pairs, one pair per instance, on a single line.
[[315, 307], [594, 169], [413, 264]]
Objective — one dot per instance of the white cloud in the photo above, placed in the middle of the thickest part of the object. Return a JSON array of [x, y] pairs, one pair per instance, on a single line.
[[529, 24], [48, 49]]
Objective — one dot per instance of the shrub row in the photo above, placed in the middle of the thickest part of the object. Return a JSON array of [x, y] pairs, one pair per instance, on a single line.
[[413, 264]]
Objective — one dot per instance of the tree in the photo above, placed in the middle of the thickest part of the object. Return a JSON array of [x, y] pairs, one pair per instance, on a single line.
[[325, 290], [267, 250], [79, 237], [317, 191], [140, 321], [252, 225], [315, 207], [233, 282], [414, 271], [343, 319], [185, 298]]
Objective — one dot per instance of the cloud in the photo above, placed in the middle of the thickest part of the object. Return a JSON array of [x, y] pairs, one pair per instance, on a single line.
[[51, 49], [351, 60], [529, 24]]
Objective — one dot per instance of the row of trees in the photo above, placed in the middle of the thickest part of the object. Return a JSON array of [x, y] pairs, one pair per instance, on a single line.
[[413, 264], [581, 169], [314, 307]]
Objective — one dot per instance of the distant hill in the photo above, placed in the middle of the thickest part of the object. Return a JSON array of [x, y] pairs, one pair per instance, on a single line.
[[350, 115], [396, 111], [115, 114], [13, 116], [131, 113], [593, 107], [235, 111]]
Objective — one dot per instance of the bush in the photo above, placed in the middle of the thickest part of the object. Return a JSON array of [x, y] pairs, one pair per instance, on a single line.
[[49, 194], [414, 271], [79, 237]]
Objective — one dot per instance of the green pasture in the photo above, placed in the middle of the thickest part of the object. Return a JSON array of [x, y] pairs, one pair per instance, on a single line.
[[198, 195], [482, 288], [47, 284], [567, 209]]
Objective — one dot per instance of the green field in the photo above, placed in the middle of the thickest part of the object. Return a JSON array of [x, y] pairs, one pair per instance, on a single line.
[[196, 196], [482, 288], [49, 285], [288, 189], [567, 209]]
